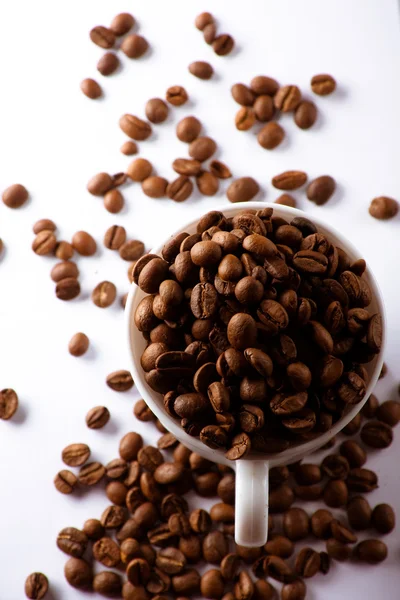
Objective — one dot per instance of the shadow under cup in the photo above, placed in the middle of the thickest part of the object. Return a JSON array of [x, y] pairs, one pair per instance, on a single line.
[[252, 470]]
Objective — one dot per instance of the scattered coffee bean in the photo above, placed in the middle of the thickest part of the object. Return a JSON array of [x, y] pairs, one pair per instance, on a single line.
[[389, 412], [335, 493], [371, 551], [122, 23], [67, 288], [134, 46], [203, 19], [220, 170], [156, 110], [287, 98], [176, 95], [296, 524], [242, 94], [377, 434], [245, 118], [64, 250], [128, 148], [321, 522], [135, 128], [383, 208], [143, 412], [72, 541], [305, 114], [8, 403], [286, 200], [100, 184], [271, 135], [264, 108], [113, 201], [44, 224], [36, 586], [353, 452], [209, 33], [188, 129], [108, 584], [242, 190], [323, 84], [370, 407], [65, 481], [114, 237], [108, 64], [207, 184], [321, 189], [97, 417], [78, 573], [180, 189], [84, 244], [93, 529], [279, 545], [102, 36], [295, 590], [139, 169], [307, 563], [289, 180], [91, 88], [383, 518], [75, 455], [155, 187], [44, 243], [120, 381], [201, 69], [79, 344], [362, 480], [223, 44], [91, 473], [104, 294], [337, 550], [131, 250], [202, 148]]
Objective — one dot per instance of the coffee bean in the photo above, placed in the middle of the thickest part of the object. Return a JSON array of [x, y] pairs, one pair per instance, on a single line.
[[323, 84], [223, 44], [91, 473], [116, 492], [108, 63], [114, 237], [245, 118], [72, 541], [135, 128], [287, 98], [215, 547], [91, 88], [97, 417], [335, 493], [201, 69], [156, 110], [138, 571], [180, 189], [226, 489], [353, 452], [202, 148], [270, 136], [289, 180], [307, 563], [383, 208], [65, 481], [362, 480], [321, 189], [278, 545], [84, 244], [220, 170], [99, 184], [295, 590], [388, 412], [120, 381], [321, 523], [171, 561], [129, 446], [134, 46], [338, 550], [203, 19], [154, 187], [207, 184], [307, 474], [305, 114], [122, 23], [8, 403], [113, 517], [188, 129], [75, 455], [278, 569], [377, 434], [335, 466], [116, 469], [131, 250], [107, 552], [44, 243], [108, 584], [36, 586], [264, 108], [176, 95], [113, 201], [102, 36], [64, 250], [78, 344], [296, 524], [342, 533], [371, 551], [104, 294], [128, 148], [242, 94], [383, 518], [44, 224], [15, 196], [244, 587]]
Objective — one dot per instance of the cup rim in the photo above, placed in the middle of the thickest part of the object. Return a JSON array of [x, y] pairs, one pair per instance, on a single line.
[[292, 453]]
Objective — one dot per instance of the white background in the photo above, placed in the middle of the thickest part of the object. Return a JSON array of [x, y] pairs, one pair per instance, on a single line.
[[53, 139]]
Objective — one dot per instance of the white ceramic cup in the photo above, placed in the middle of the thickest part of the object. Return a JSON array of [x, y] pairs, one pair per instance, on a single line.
[[251, 503]]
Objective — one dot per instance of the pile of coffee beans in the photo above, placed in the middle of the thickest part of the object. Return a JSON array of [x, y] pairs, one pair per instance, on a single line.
[[223, 43], [151, 532], [257, 330], [132, 45], [265, 100]]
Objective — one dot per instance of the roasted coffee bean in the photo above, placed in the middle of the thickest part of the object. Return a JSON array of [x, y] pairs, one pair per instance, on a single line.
[[215, 547], [135, 128], [388, 412], [244, 587], [242, 94], [176, 95], [201, 69], [362, 480], [377, 434], [383, 208], [128, 148], [107, 552], [212, 584], [226, 489], [116, 492], [65, 481], [369, 409], [307, 474], [242, 190], [264, 108], [220, 170], [323, 84], [289, 180], [130, 549], [113, 517], [64, 250], [148, 457], [305, 114], [383, 518], [271, 135], [91, 88], [75, 455], [286, 200], [187, 167], [180, 189], [342, 533], [99, 184], [351, 389], [107, 583], [295, 590], [242, 331], [156, 110], [114, 237], [104, 294], [116, 468], [278, 569], [102, 36], [309, 492], [371, 551], [335, 466], [321, 523], [44, 243], [93, 529], [280, 498], [186, 583], [44, 224], [296, 524], [287, 98], [108, 63], [134, 46], [203, 19], [307, 563], [321, 189], [171, 561], [122, 23], [36, 586], [67, 288], [155, 187], [138, 571], [264, 85], [279, 545], [15, 196], [209, 33], [222, 513], [78, 573], [335, 493], [202, 148], [353, 452], [84, 244], [119, 381], [72, 541], [338, 550], [113, 201], [188, 129], [223, 44], [8, 404], [167, 473], [245, 118], [143, 412], [97, 417], [374, 333], [91, 473]]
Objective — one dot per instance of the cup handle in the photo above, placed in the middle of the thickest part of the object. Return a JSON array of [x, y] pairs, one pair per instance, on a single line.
[[251, 503]]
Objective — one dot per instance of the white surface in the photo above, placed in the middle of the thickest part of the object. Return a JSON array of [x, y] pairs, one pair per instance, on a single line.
[[53, 140]]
